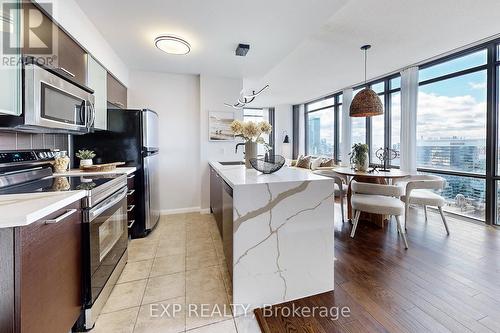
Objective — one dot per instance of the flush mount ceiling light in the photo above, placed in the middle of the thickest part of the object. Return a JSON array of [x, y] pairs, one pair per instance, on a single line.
[[366, 103], [172, 44]]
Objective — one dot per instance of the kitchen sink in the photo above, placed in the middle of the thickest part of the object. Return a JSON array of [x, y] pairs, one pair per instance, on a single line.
[[233, 163]]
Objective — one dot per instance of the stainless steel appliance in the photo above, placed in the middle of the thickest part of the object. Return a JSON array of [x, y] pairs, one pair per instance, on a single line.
[[104, 228], [151, 163], [105, 249], [132, 137], [52, 102]]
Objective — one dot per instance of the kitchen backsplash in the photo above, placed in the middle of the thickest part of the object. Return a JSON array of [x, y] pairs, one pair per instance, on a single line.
[[12, 140]]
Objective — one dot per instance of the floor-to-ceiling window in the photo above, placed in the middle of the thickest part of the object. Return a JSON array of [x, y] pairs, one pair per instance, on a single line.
[[451, 129], [322, 126], [358, 125], [257, 115], [458, 127], [381, 131]]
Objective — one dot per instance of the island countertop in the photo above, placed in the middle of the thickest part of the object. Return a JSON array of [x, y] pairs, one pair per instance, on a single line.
[[238, 175], [277, 232]]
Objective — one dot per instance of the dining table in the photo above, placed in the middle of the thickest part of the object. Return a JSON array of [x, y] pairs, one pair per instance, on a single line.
[[376, 176]]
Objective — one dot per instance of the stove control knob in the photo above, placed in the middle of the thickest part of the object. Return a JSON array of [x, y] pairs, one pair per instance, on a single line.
[[41, 154]]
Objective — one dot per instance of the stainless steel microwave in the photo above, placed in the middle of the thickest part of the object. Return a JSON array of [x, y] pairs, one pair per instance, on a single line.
[[52, 103]]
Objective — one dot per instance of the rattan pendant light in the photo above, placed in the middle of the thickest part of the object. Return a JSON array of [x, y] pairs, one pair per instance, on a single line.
[[366, 103]]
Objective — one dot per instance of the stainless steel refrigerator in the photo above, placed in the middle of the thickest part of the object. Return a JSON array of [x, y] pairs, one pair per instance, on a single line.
[[132, 137]]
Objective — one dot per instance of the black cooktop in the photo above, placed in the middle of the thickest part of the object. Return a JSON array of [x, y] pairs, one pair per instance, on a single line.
[[60, 183]]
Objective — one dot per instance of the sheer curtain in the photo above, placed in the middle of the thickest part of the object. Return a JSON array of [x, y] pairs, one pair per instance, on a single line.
[[345, 149], [409, 97]]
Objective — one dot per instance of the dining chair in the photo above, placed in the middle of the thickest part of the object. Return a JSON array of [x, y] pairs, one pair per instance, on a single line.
[[377, 199], [418, 190], [340, 186]]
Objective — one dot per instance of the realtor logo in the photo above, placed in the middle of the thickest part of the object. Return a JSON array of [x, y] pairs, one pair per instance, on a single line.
[[28, 29]]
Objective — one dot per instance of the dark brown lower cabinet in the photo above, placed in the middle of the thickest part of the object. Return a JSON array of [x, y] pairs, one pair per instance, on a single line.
[[227, 225], [131, 202], [40, 272], [216, 197]]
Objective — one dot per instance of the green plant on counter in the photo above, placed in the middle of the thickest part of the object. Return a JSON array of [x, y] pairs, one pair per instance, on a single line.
[[359, 153], [85, 154]]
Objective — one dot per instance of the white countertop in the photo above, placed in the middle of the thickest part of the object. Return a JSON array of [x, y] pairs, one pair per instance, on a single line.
[[237, 175], [78, 172], [23, 209]]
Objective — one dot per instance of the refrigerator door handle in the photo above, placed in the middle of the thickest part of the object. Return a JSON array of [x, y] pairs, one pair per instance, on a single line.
[[152, 190]]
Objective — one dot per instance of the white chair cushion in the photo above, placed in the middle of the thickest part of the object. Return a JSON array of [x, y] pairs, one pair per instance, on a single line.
[[377, 204], [426, 197]]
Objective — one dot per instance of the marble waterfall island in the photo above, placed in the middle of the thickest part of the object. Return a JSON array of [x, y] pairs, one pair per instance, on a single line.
[[282, 235]]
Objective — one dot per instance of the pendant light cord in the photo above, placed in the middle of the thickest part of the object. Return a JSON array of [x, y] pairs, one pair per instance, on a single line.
[[365, 65]]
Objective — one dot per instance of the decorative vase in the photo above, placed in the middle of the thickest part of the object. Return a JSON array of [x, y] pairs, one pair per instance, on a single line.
[[364, 166], [86, 163], [250, 152]]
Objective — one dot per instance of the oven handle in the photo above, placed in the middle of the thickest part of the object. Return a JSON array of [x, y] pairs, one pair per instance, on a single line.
[[101, 208]]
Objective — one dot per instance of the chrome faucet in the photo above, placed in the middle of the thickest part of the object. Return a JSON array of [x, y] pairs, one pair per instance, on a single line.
[[237, 145]]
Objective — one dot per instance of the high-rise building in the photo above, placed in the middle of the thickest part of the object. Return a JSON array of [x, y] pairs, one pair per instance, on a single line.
[[462, 155]]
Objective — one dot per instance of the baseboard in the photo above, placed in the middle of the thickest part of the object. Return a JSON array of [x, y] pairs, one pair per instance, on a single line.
[[205, 211], [180, 210]]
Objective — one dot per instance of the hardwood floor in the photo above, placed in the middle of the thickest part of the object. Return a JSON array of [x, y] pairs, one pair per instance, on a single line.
[[440, 284]]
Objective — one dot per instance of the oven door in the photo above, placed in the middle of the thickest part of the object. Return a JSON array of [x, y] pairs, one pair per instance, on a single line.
[[108, 239], [55, 103]]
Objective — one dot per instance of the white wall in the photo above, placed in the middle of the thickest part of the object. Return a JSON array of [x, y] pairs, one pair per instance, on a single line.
[[283, 123], [214, 92], [183, 103], [176, 99], [70, 16]]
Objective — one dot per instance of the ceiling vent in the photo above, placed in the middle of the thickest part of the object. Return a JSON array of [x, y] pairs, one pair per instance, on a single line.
[[242, 50]]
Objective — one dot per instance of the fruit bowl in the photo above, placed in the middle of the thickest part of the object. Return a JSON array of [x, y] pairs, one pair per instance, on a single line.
[[268, 165]]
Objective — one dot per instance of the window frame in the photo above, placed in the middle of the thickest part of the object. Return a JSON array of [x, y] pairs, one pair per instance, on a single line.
[[271, 120], [386, 96], [337, 111], [490, 175], [492, 67]]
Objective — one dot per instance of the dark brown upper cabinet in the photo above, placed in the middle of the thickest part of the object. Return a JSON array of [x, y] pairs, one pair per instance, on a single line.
[[53, 44], [117, 92], [72, 58]]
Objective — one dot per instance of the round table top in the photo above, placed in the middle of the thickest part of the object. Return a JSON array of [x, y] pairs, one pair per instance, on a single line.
[[394, 173]]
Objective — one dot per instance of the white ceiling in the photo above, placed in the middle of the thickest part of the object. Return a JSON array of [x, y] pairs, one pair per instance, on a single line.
[[402, 33], [303, 48], [214, 28]]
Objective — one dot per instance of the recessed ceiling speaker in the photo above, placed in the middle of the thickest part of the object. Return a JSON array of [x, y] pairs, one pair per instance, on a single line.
[[242, 50]]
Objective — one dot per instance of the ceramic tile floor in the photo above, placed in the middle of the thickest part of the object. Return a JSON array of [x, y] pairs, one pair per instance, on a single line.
[[180, 263]]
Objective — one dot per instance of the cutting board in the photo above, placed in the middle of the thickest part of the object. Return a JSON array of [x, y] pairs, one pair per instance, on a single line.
[[101, 167]]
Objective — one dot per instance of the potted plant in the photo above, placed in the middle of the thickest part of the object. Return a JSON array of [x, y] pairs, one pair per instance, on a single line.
[[85, 157], [359, 157], [251, 132]]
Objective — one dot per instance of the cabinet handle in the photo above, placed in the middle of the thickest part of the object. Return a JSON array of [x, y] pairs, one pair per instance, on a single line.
[[130, 223], [62, 217], [130, 208], [130, 192], [65, 71], [131, 176]]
